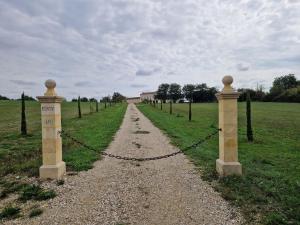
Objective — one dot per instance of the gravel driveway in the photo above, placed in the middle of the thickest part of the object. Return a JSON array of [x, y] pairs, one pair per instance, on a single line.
[[162, 192]]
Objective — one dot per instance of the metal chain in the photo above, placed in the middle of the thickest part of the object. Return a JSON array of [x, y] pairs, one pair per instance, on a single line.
[[196, 144]]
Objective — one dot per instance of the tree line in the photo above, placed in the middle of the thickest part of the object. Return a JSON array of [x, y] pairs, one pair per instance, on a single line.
[[190, 92], [25, 97], [284, 88], [116, 97]]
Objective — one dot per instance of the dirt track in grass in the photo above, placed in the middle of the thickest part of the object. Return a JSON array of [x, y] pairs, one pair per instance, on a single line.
[[161, 192]]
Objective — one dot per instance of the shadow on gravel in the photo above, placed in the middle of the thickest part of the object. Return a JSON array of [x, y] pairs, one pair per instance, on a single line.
[[137, 144], [141, 132]]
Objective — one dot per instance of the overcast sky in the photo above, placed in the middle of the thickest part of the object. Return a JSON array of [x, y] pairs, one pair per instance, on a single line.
[[95, 47]]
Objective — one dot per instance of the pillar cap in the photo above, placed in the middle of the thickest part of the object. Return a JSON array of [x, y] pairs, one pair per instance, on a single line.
[[227, 81], [50, 85], [227, 92], [50, 99]]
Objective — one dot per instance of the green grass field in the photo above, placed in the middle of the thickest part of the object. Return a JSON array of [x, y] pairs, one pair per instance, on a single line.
[[22, 154], [269, 190]]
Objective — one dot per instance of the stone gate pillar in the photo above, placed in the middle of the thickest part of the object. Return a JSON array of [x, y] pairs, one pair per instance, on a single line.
[[228, 164], [53, 167]]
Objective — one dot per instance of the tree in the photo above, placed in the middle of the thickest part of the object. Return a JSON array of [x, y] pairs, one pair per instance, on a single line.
[[244, 92], [260, 94], [27, 98], [203, 93], [84, 99], [117, 97], [162, 92], [255, 95], [188, 90], [79, 108], [106, 99], [284, 89], [3, 98], [285, 82], [249, 123], [174, 92], [23, 116]]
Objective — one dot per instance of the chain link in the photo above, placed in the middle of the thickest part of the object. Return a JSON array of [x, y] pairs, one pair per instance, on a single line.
[[196, 144]]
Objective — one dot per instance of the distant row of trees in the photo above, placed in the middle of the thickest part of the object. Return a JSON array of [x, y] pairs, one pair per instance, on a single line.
[[116, 97], [284, 89], [24, 97], [191, 92], [3, 98]]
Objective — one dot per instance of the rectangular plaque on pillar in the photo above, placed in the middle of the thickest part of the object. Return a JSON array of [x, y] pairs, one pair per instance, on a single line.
[[53, 167], [228, 164]]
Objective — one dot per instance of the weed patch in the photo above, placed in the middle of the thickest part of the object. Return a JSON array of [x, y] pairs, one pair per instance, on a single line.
[[35, 212], [35, 192], [10, 212]]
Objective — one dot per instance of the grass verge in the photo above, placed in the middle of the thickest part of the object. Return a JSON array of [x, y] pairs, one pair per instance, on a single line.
[[22, 154], [269, 190]]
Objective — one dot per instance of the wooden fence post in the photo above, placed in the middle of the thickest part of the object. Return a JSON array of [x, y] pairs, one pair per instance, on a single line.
[[228, 164], [190, 110], [53, 167]]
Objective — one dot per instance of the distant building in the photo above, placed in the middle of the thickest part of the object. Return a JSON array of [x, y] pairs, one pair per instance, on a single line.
[[148, 96], [133, 100]]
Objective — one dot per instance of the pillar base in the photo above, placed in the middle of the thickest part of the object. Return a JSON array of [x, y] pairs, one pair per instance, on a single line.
[[228, 168], [53, 171]]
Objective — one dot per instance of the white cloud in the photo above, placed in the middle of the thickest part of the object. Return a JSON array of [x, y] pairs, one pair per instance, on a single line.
[[243, 66], [121, 45]]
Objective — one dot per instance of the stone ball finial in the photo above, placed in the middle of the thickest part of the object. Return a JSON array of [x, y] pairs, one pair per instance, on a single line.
[[227, 81], [50, 85]]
